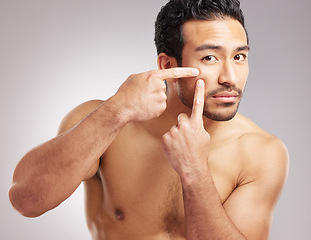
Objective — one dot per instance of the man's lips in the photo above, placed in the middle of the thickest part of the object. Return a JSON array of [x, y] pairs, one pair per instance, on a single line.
[[226, 97]]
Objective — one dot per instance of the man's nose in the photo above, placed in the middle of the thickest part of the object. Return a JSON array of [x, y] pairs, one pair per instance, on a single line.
[[228, 75]]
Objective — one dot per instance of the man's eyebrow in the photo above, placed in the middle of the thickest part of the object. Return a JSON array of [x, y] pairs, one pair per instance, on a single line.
[[217, 47], [208, 46], [243, 48]]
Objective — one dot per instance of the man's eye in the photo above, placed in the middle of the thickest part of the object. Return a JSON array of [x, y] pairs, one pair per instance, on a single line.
[[210, 58], [240, 57]]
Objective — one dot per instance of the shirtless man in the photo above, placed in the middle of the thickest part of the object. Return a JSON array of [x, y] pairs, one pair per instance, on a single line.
[[167, 159]]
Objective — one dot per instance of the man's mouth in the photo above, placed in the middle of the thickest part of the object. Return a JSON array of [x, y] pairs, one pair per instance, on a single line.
[[226, 97]]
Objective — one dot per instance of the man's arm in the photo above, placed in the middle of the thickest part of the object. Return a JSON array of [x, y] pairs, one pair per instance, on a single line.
[[51, 172], [247, 213]]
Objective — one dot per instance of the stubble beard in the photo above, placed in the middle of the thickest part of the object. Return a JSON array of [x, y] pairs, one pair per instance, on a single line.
[[227, 110], [220, 117]]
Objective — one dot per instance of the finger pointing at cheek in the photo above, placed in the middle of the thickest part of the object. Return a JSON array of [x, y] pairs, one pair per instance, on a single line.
[[179, 72], [198, 101]]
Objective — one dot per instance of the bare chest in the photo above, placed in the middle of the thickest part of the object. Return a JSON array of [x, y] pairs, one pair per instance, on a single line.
[[142, 193]]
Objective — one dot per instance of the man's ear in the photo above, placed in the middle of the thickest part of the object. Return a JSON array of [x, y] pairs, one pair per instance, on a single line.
[[166, 62]]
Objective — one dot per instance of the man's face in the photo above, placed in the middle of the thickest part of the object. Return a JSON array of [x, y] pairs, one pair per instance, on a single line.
[[219, 50]]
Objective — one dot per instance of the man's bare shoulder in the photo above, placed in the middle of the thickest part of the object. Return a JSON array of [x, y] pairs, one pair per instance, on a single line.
[[264, 154], [255, 139], [77, 114]]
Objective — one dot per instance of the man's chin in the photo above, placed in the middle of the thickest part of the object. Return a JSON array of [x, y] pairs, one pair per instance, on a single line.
[[219, 117], [226, 113]]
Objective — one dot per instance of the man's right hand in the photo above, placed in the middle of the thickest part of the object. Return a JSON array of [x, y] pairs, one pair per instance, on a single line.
[[143, 95]]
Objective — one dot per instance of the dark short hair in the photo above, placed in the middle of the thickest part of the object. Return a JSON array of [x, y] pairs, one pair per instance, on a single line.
[[170, 20]]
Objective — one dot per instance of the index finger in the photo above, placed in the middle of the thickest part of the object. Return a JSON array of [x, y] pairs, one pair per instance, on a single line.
[[198, 101], [179, 72]]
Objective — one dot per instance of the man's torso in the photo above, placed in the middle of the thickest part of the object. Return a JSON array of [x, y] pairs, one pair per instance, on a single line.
[[136, 194]]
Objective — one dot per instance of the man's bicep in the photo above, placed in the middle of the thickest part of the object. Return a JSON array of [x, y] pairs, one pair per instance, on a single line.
[[250, 212], [251, 205], [73, 118]]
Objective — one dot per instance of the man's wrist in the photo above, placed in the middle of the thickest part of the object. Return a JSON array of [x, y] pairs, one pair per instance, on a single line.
[[120, 112], [193, 176]]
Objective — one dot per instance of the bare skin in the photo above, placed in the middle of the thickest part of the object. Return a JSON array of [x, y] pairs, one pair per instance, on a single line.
[[155, 168]]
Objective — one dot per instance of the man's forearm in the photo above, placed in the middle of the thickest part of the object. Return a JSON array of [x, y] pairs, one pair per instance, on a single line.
[[51, 172], [205, 216]]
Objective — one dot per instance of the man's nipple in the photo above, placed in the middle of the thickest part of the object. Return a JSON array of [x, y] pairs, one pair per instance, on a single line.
[[119, 214]]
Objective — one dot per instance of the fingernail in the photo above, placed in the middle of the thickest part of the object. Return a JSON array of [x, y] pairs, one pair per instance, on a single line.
[[200, 82], [195, 71]]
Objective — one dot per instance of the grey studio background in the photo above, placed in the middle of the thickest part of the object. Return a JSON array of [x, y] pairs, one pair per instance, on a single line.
[[57, 54]]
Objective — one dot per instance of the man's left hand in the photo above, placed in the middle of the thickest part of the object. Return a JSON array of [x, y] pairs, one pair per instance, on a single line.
[[186, 145]]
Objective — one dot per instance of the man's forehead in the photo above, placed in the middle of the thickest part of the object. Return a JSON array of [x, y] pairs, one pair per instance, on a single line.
[[217, 32]]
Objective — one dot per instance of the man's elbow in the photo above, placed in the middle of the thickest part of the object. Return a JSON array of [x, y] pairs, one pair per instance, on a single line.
[[25, 201]]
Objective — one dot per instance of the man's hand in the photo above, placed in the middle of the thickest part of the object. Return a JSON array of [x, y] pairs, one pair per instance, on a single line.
[[187, 145], [143, 95]]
